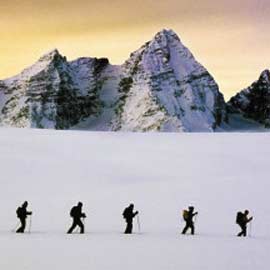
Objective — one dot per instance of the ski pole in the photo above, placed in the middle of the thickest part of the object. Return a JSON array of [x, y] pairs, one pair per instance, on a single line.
[[83, 222], [30, 224], [195, 219], [250, 229], [139, 224]]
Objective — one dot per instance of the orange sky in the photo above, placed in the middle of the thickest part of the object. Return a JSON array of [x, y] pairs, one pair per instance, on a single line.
[[229, 37]]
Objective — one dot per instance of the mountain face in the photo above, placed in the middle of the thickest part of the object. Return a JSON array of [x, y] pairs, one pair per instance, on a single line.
[[254, 102], [167, 89], [161, 87]]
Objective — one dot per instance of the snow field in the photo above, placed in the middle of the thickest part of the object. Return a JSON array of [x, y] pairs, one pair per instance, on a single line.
[[161, 173]]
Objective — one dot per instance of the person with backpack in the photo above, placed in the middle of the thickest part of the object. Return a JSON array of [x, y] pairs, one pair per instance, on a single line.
[[242, 220], [76, 214], [22, 214], [128, 215], [188, 216]]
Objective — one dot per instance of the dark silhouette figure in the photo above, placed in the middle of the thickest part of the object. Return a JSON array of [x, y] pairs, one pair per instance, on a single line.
[[22, 214], [242, 220], [188, 218], [76, 214], [128, 215]]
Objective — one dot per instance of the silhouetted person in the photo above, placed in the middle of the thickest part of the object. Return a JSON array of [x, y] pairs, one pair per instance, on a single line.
[[22, 214], [188, 218], [128, 215], [76, 214], [242, 220]]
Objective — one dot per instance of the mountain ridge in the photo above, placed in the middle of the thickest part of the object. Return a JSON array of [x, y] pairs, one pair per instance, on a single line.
[[161, 87]]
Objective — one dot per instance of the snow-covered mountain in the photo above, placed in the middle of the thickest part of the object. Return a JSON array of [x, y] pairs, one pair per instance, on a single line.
[[254, 101], [52, 93], [161, 87]]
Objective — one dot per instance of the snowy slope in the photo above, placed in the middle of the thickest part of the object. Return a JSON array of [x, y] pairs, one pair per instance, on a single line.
[[239, 123], [161, 87], [161, 173]]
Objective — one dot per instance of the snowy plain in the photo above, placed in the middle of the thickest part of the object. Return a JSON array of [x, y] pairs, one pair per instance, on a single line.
[[161, 173]]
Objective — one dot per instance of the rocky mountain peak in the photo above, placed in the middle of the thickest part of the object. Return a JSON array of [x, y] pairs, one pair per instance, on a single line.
[[254, 101], [265, 76], [50, 56], [166, 42], [170, 35], [180, 94], [52, 59]]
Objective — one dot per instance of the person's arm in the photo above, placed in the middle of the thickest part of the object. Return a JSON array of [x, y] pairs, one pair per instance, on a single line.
[[250, 219], [195, 214], [28, 213], [83, 215], [135, 214]]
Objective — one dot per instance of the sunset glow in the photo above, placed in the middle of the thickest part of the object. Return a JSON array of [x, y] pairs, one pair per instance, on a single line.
[[230, 38]]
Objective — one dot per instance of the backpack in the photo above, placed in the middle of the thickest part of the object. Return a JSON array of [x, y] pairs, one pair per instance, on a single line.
[[73, 211], [125, 213], [185, 214], [19, 212], [239, 218]]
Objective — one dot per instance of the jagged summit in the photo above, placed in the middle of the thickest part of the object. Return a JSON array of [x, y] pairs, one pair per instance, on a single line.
[[50, 55], [168, 33], [47, 61], [265, 75]]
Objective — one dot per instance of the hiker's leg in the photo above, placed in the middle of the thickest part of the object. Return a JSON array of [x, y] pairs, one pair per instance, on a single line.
[[185, 229], [129, 228], [192, 228], [74, 224], [242, 231], [23, 224], [80, 224], [245, 230]]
